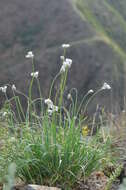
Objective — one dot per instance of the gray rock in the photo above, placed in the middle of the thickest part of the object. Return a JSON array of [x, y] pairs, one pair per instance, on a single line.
[[34, 187], [39, 187]]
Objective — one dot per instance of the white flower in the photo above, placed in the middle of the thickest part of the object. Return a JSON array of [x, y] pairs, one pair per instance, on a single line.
[[69, 96], [105, 86], [123, 111], [62, 57], [12, 139], [4, 114], [50, 111], [69, 62], [48, 102], [75, 117], [60, 161], [90, 91], [65, 45], [29, 55], [3, 89], [66, 64], [35, 74], [51, 107], [13, 87]]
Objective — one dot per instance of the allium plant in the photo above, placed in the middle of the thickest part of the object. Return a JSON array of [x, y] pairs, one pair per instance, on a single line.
[[49, 147]]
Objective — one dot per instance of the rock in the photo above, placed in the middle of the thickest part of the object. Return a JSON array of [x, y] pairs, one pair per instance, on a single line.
[[34, 187], [39, 187], [97, 181]]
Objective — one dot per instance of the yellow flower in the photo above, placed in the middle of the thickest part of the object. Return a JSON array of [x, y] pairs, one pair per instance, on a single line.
[[85, 131]]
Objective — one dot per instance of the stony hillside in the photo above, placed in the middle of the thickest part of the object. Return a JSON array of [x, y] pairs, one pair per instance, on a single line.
[[95, 29]]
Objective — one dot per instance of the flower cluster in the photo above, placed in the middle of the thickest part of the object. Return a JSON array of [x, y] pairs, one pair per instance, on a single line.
[[66, 64], [105, 86], [69, 96], [65, 46], [29, 55], [35, 74], [62, 57], [51, 107], [4, 114], [3, 89], [13, 87], [90, 91]]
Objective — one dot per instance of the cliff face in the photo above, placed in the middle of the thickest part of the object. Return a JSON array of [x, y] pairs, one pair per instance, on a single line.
[[95, 29]]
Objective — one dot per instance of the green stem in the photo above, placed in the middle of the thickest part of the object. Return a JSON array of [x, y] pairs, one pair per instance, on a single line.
[[81, 104], [38, 83], [18, 110], [30, 92], [11, 121], [90, 99], [76, 98], [50, 92]]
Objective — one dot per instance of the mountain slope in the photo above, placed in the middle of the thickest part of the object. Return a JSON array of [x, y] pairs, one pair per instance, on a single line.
[[105, 19], [108, 20], [95, 29]]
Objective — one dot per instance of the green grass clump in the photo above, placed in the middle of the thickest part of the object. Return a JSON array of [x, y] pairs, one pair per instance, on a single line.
[[48, 147], [55, 156]]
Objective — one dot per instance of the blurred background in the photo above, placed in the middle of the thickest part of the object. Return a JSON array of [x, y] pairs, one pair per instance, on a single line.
[[96, 31]]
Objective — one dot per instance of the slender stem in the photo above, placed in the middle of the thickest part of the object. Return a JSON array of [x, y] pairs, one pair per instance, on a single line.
[[62, 86], [76, 98], [90, 99], [81, 104], [11, 121], [21, 93], [18, 110], [39, 88], [62, 83], [30, 91], [21, 108], [50, 92]]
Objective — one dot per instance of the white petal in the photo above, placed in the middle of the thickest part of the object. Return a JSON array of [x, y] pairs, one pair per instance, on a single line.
[[106, 86], [65, 45]]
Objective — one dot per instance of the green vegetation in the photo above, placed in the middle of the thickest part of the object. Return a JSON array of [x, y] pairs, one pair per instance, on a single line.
[[51, 147], [49, 140]]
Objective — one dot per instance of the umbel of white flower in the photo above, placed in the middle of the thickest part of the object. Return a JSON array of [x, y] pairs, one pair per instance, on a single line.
[[4, 114], [66, 64], [105, 86], [29, 54], [65, 46], [3, 89], [51, 107], [62, 57], [13, 87], [69, 97], [90, 91], [48, 102], [35, 74]]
